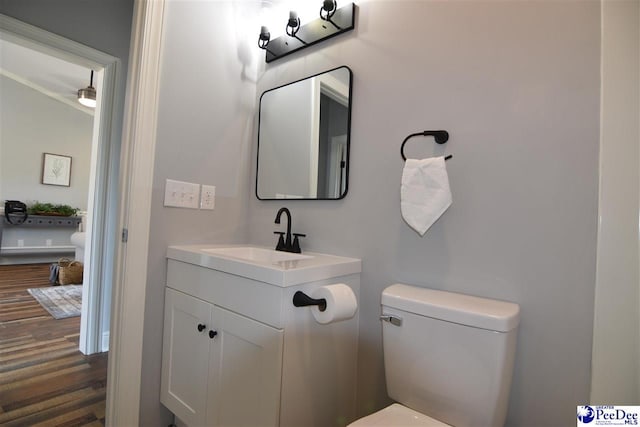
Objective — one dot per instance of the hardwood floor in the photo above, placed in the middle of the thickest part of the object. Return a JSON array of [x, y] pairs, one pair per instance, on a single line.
[[44, 379]]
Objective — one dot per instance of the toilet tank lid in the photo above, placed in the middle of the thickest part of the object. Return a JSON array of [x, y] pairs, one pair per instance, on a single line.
[[494, 315]]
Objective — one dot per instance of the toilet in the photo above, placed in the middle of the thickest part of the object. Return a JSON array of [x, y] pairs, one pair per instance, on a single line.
[[448, 358]]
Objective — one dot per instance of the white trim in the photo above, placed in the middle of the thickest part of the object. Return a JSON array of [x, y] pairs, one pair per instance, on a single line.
[[46, 92], [136, 172], [314, 143], [97, 262], [615, 366], [334, 89], [324, 84], [43, 41], [10, 250], [105, 341]]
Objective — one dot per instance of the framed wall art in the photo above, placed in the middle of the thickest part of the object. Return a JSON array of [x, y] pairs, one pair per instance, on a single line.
[[56, 169]]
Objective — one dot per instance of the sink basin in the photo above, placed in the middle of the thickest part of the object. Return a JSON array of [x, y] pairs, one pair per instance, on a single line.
[[265, 264], [255, 254]]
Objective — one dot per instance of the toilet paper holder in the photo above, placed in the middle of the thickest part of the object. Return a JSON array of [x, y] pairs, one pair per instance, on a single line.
[[300, 299]]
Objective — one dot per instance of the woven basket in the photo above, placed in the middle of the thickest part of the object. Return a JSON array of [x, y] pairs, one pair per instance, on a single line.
[[70, 272]]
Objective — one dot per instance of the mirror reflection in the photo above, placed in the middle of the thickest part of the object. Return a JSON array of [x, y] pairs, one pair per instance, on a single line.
[[303, 138]]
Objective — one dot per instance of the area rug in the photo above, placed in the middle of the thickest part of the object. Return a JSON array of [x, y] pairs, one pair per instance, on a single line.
[[60, 301]]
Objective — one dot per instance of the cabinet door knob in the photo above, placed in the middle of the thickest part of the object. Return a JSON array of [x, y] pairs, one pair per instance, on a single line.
[[212, 334], [201, 327]]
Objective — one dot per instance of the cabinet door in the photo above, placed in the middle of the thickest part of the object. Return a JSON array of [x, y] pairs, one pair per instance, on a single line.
[[185, 356], [245, 372]]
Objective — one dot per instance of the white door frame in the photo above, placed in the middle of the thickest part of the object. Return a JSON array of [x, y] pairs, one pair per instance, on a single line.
[[136, 183], [615, 357], [97, 268]]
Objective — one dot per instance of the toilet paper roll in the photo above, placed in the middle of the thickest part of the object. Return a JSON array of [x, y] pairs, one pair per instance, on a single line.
[[341, 303]]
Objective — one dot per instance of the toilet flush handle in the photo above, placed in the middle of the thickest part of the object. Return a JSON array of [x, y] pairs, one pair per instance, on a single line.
[[394, 320]]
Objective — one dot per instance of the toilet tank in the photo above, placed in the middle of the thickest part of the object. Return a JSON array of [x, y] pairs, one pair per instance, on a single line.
[[451, 355]]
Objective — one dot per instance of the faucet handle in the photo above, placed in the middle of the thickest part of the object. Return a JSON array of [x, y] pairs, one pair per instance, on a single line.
[[280, 246], [296, 243]]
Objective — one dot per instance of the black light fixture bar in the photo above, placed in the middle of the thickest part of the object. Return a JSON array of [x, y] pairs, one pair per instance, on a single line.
[[342, 20]]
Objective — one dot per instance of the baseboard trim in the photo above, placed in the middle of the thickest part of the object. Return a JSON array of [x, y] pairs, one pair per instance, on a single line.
[[105, 341]]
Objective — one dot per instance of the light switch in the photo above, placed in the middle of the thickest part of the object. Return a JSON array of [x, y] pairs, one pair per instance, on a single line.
[[208, 199], [181, 194]]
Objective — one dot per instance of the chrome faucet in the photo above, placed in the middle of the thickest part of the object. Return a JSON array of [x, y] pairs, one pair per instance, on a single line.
[[284, 243]]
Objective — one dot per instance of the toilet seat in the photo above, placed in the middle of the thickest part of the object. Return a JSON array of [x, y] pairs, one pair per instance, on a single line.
[[397, 415]]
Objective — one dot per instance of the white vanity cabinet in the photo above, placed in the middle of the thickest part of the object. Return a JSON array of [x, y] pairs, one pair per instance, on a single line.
[[185, 356], [237, 352], [219, 368]]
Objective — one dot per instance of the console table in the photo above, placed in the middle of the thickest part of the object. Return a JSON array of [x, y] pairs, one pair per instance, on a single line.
[[38, 221]]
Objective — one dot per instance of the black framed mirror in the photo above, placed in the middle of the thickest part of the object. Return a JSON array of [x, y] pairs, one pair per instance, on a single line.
[[303, 138]]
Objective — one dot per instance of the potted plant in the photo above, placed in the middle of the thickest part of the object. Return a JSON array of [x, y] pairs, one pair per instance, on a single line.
[[50, 209]]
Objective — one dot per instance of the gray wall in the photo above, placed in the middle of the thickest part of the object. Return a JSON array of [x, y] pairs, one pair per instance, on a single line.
[[517, 86], [33, 124], [204, 139]]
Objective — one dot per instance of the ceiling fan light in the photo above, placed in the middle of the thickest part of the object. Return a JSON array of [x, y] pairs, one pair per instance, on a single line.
[[87, 96]]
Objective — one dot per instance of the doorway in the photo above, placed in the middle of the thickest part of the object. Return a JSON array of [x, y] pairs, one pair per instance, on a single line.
[[101, 205]]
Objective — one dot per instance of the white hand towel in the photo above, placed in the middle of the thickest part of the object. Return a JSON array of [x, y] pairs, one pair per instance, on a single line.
[[424, 192]]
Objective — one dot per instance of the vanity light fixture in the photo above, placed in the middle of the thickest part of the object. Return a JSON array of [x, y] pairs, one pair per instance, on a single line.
[[327, 10], [264, 38], [329, 7], [293, 26], [87, 96], [342, 20]]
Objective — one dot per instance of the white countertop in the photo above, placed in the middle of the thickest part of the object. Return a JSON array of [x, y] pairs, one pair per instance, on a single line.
[[282, 273]]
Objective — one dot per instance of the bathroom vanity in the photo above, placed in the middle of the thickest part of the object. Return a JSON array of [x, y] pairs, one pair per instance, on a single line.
[[236, 351]]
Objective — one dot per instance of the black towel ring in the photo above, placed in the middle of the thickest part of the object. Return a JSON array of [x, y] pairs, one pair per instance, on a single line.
[[441, 136]]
